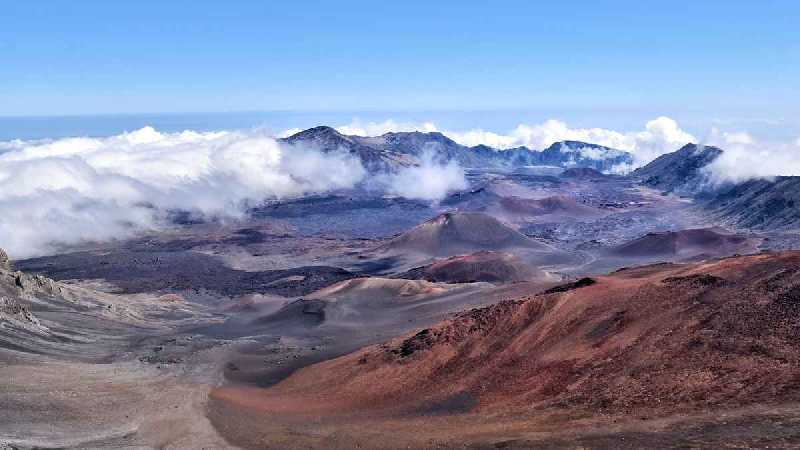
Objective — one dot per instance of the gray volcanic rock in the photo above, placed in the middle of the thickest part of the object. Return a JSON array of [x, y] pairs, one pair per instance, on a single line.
[[681, 171], [5, 262], [11, 309]]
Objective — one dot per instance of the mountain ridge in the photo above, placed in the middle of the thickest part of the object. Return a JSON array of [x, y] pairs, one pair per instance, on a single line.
[[757, 204], [394, 150]]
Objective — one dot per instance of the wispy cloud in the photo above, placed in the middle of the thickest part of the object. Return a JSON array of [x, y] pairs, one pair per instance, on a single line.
[[746, 157], [74, 190], [431, 180]]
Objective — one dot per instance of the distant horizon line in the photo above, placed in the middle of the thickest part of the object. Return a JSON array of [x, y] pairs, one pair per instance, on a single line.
[[321, 111]]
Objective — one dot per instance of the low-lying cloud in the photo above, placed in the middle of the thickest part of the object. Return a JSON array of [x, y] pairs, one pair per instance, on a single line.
[[431, 180], [86, 189], [74, 190]]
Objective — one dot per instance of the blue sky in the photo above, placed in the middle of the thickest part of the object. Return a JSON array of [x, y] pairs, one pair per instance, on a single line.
[[730, 60]]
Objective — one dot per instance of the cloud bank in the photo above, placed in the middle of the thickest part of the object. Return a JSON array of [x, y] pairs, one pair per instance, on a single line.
[[74, 190], [85, 189]]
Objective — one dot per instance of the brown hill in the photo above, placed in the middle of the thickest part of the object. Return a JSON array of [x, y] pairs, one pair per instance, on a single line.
[[456, 233], [383, 288], [649, 341], [583, 173], [683, 244], [488, 266], [557, 204]]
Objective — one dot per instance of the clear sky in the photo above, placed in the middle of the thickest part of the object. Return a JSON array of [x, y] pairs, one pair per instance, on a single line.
[[737, 60]]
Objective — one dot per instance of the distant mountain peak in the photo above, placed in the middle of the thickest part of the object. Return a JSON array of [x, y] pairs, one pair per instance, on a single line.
[[573, 144], [316, 133], [436, 134], [394, 149], [680, 171]]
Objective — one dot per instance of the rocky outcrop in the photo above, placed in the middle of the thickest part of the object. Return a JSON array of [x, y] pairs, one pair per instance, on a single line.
[[11, 309], [5, 262]]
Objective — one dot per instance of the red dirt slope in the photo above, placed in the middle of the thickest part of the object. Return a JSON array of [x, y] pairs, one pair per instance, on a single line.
[[663, 338]]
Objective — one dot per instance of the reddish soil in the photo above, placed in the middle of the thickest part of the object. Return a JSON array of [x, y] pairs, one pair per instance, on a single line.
[[651, 342]]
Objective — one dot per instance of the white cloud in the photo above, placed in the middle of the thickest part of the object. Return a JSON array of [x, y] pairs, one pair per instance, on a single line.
[[724, 139], [71, 190], [745, 157], [472, 138], [431, 180]]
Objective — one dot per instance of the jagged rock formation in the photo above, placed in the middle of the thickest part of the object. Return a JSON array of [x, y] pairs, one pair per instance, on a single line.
[[5, 262], [11, 309]]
